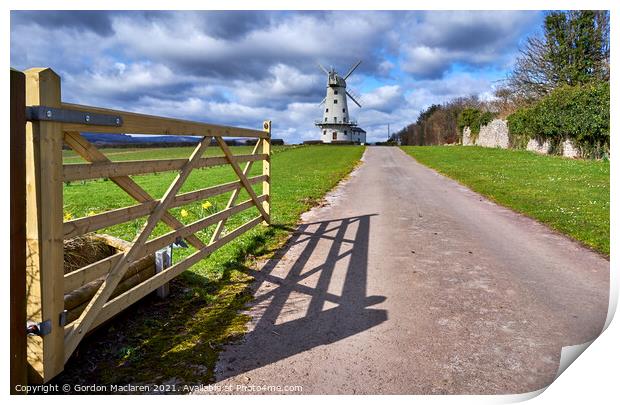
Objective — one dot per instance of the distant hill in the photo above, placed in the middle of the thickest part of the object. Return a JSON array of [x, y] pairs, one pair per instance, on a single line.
[[155, 141], [120, 140]]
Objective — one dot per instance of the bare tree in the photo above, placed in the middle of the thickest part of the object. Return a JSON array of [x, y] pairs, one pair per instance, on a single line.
[[533, 73], [574, 50]]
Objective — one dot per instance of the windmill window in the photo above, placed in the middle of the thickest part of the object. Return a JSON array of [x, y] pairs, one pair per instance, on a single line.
[[325, 119], [345, 132], [343, 110], [335, 91], [327, 110], [335, 119], [335, 101], [324, 131], [334, 136]]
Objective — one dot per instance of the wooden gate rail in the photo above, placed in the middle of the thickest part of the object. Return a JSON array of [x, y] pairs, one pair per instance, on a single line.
[[233, 198], [88, 171], [133, 123], [80, 226], [124, 300], [51, 123], [86, 274], [89, 152]]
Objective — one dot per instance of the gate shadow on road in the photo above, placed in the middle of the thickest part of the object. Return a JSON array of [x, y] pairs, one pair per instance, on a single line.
[[289, 307]]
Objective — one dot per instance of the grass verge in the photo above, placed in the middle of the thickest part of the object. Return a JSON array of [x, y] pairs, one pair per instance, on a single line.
[[177, 340], [571, 196]]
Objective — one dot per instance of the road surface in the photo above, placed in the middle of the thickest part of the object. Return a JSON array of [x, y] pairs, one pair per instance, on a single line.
[[409, 283]]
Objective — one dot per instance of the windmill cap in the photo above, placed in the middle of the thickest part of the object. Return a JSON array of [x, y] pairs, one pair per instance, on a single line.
[[336, 80]]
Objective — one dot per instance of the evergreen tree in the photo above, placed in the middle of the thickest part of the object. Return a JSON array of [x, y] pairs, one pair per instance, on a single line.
[[574, 50]]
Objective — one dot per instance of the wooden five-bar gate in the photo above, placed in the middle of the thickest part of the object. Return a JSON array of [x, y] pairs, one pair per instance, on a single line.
[[49, 123]]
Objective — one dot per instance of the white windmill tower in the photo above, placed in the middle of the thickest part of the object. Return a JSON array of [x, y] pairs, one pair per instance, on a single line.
[[336, 125]]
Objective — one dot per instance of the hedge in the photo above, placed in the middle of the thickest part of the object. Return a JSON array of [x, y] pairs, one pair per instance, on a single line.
[[578, 113], [474, 119]]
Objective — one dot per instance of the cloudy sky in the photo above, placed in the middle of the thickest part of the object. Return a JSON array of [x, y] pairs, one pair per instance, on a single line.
[[239, 68]]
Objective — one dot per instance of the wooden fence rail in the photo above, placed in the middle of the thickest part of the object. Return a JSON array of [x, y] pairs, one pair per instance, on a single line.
[[52, 123]]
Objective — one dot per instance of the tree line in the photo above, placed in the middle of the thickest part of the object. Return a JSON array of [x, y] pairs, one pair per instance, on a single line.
[[565, 69]]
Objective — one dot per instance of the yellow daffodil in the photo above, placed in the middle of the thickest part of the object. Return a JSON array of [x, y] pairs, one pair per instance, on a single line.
[[184, 213], [90, 213], [68, 216], [206, 205]]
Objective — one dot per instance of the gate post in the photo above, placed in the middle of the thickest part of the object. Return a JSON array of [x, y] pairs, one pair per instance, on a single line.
[[44, 222], [18, 231], [267, 171]]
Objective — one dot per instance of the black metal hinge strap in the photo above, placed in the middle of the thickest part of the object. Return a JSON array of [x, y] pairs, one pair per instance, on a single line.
[[45, 327], [43, 113], [39, 329]]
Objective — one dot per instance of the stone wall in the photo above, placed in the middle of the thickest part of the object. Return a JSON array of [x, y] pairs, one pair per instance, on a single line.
[[538, 147], [569, 149], [495, 135], [467, 137]]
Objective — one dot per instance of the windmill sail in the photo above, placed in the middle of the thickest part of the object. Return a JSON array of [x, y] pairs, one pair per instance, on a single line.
[[351, 70], [353, 99]]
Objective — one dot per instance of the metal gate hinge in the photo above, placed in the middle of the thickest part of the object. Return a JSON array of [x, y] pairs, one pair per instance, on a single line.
[[39, 329], [43, 113], [62, 318], [45, 327]]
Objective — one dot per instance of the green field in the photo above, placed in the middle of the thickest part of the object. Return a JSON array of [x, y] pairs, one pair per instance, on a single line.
[[120, 154], [180, 337], [571, 196]]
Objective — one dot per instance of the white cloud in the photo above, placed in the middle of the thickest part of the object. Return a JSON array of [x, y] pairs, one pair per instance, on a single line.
[[285, 84], [122, 79], [385, 68], [384, 98], [300, 39], [242, 68], [425, 62], [441, 38]]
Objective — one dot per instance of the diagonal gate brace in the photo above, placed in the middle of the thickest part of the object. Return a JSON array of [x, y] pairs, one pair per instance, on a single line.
[[233, 198], [243, 178], [84, 322], [90, 153]]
